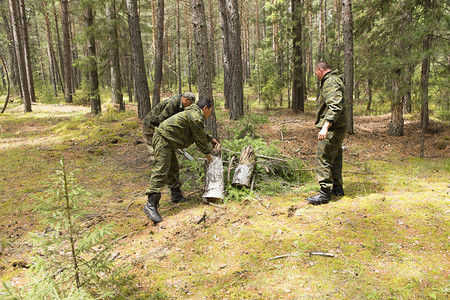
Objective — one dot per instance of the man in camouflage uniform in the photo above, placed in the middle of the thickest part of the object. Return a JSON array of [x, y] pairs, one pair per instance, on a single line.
[[332, 122], [161, 112], [177, 132]]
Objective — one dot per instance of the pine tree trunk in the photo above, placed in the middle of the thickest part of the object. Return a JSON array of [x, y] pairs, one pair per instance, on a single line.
[[236, 88], [116, 80], [347, 28], [425, 74], [50, 51], [178, 48], [369, 93], [226, 55], [396, 125], [140, 78], [212, 27], [258, 41], [67, 67], [76, 71], [321, 31], [188, 45], [59, 45], [26, 49], [298, 89], [203, 62], [18, 45], [94, 93], [159, 52], [14, 73], [39, 51], [407, 95], [337, 26]]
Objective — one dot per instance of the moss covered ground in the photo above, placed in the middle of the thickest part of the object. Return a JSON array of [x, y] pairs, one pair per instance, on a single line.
[[387, 238]]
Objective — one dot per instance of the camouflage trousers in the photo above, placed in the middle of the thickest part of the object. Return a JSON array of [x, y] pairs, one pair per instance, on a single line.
[[328, 162], [165, 170], [148, 135]]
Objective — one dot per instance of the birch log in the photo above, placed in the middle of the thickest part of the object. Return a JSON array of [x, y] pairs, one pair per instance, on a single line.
[[244, 171], [214, 184]]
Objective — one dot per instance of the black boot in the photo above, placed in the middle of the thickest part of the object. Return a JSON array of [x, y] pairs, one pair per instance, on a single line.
[[177, 196], [337, 190], [324, 196], [151, 208]]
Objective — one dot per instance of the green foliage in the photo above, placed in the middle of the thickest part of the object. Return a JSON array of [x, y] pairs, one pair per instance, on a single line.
[[272, 175], [71, 258]]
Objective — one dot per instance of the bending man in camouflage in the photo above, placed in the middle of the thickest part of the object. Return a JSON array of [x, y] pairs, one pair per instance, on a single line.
[[161, 112], [177, 132], [332, 122]]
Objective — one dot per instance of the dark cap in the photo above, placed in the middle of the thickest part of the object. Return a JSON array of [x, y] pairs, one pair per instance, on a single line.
[[190, 96]]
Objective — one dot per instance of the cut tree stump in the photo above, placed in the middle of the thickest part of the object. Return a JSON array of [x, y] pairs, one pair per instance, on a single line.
[[244, 171], [214, 183]]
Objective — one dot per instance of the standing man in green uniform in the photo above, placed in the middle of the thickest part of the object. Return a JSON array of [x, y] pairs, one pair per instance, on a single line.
[[332, 122], [177, 132], [161, 112]]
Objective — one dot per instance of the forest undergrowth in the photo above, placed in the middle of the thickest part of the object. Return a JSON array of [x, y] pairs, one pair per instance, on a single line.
[[387, 238]]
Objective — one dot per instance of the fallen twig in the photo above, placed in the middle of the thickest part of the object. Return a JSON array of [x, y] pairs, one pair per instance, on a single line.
[[129, 205], [212, 204], [322, 254], [280, 256], [201, 219], [260, 201], [281, 133]]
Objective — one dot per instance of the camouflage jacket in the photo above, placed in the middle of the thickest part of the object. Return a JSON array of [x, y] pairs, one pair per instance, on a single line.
[[186, 128], [331, 105], [163, 111]]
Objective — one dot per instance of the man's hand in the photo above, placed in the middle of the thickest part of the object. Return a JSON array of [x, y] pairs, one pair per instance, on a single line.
[[209, 158], [323, 132]]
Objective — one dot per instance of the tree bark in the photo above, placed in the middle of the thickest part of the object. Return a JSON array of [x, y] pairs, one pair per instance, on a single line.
[[188, 46], [18, 45], [26, 50], [369, 93], [94, 93], [347, 28], [67, 67], [178, 49], [59, 47], [76, 71], [425, 74], [116, 80], [50, 51], [258, 41], [226, 55], [396, 125], [203, 62], [236, 89], [140, 79], [14, 72], [212, 28], [159, 53], [407, 94], [298, 89]]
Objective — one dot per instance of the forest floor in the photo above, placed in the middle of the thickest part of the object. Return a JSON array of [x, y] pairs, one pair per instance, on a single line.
[[387, 238]]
